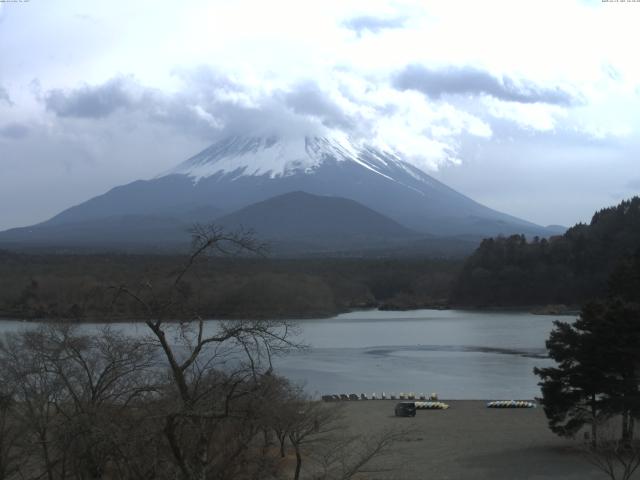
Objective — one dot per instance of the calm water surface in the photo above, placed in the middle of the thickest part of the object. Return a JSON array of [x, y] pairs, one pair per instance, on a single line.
[[458, 354]]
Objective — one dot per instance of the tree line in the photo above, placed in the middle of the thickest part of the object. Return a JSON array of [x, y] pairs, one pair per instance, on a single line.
[[567, 269], [76, 287]]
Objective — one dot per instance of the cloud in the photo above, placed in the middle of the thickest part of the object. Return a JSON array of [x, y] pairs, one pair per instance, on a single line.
[[4, 96], [308, 99], [14, 131], [90, 101], [372, 24], [125, 96], [211, 105], [527, 116], [472, 81], [207, 106]]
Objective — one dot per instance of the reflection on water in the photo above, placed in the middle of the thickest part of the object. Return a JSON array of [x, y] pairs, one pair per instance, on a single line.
[[458, 354], [407, 350]]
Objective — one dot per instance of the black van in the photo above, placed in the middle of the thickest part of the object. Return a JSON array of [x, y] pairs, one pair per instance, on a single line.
[[405, 409]]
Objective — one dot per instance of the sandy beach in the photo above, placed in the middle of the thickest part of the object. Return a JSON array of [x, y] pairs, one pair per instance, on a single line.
[[470, 441]]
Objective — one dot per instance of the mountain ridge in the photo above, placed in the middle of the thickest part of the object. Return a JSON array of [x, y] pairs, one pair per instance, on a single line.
[[239, 171]]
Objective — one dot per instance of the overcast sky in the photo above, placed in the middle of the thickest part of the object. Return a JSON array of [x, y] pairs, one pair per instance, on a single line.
[[530, 107]]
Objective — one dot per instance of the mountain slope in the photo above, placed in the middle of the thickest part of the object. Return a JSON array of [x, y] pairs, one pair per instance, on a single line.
[[239, 171], [295, 222], [115, 232]]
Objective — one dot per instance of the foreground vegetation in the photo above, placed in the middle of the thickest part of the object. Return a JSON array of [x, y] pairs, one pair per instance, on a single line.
[[106, 406], [183, 401]]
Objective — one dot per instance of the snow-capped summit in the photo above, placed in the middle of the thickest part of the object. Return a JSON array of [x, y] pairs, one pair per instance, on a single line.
[[280, 157]]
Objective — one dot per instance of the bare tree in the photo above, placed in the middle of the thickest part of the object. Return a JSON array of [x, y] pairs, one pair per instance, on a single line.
[[281, 404], [103, 375], [70, 391], [346, 456], [11, 436], [37, 392], [213, 371], [310, 423], [316, 431], [617, 458]]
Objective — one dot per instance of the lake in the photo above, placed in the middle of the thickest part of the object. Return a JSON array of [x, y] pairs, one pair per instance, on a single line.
[[457, 354]]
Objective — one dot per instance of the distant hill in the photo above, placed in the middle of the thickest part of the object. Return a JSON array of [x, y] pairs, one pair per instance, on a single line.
[[569, 268], [318, 222]]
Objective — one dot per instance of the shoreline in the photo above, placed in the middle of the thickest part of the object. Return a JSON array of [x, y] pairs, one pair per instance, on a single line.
[[444, 400], [542, 310]]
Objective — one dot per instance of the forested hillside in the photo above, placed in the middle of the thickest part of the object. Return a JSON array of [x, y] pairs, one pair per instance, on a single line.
[[567, 269], [79, 287]]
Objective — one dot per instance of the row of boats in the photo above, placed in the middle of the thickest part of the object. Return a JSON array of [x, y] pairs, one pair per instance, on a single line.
[[511, 404], [424, 402], [431, 406], [375, 396]]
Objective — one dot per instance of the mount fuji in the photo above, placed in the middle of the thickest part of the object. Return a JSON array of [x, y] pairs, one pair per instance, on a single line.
[[237, 172]]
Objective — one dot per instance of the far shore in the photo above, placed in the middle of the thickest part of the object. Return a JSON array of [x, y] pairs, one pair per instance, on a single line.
[[559, 310]]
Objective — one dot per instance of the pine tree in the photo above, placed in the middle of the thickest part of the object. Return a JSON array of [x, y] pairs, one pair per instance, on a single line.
[[598, 369]]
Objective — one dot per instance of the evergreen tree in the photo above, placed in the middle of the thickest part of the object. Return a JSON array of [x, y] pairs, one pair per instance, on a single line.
[[598, 369], [573, 390]]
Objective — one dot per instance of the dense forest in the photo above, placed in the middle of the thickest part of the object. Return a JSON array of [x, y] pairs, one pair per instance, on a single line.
[[568, 269], [82, 287]]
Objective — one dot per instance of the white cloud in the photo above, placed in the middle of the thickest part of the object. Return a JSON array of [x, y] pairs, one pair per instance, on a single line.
[[536, 116]]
